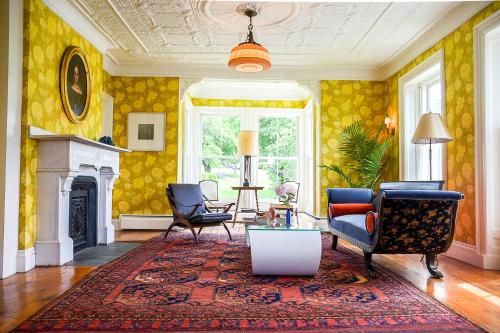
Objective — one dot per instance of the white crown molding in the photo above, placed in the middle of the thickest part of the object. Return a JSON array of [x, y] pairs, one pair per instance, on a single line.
[[110, 65], [76, 18], [277, 72], [436, 31]]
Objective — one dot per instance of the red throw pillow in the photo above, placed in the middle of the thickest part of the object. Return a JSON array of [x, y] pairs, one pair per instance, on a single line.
[[370, 220], [351, 208]]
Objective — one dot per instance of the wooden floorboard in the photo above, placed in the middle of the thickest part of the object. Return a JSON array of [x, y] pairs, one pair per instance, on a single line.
[[470, 291]]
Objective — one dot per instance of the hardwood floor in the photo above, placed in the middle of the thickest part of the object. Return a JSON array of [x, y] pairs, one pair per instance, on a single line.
[[470, 291]]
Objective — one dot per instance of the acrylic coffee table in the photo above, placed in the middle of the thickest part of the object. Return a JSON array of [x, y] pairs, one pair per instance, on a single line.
[[279, 250]]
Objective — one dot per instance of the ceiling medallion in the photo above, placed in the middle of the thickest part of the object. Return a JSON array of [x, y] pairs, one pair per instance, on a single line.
[[249, 56]]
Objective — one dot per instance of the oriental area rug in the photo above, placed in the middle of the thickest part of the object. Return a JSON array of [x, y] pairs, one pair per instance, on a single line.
[[175, 285]]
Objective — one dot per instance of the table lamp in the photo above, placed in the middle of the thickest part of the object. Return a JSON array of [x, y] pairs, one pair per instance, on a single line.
[[248, 146], [431, 129]]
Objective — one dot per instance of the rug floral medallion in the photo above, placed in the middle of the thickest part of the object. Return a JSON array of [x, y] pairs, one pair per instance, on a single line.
[[175, 285]]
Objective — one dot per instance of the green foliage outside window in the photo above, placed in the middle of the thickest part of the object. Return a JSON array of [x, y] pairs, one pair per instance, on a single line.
[[277, 140]]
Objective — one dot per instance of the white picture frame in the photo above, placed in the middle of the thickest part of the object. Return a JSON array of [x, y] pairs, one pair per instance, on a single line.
[[146, 131]]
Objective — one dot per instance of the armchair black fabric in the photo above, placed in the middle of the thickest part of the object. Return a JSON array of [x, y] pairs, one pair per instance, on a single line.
[[400, 221], [190, 211]]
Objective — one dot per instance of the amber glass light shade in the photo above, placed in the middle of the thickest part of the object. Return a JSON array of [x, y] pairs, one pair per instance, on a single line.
[[249, 58]]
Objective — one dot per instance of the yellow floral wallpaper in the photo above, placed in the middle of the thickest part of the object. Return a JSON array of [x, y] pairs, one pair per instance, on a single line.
[[342, 103], [459, 81], [46, 37], [300, 104], [107, 84], [140, 189]]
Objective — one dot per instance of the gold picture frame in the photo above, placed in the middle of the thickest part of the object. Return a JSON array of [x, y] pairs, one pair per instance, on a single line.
[[75, 88]]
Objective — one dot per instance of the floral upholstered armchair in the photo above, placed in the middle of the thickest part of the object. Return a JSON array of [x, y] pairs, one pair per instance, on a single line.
[[396, 222]]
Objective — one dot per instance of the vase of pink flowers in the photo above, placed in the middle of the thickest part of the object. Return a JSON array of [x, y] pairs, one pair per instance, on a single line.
[[286, 193]]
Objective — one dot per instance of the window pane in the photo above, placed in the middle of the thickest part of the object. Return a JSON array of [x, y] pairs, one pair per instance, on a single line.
[[422, 168], [226, 171], [219, 135], [275, 171], [434, 93], [277, 136]]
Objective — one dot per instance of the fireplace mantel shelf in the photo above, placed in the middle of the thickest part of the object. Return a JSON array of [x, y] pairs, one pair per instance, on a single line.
[[42, 135]]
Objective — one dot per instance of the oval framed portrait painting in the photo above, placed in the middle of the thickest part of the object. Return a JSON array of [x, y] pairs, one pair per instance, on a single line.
[[75, 84]]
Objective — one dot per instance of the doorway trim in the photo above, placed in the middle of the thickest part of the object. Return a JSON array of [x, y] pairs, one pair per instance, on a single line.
[[484, 258]]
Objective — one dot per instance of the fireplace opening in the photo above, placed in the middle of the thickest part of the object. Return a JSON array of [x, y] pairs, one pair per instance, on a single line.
[[83, 213]]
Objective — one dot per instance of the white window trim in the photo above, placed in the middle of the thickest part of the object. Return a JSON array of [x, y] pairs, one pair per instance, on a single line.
[[250, 120], [483, 254], [404, 139]]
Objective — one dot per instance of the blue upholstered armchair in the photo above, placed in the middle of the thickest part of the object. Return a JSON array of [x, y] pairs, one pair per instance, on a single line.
[[404, 221], [190, 211]]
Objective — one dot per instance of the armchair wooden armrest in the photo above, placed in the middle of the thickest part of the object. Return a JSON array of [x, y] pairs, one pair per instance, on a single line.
[[228, 207]]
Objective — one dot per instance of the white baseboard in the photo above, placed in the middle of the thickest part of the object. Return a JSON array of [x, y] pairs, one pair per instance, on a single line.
[[116, 223], [491, 262], [469, 254], [466, 253], [137, 221], [25, 259]]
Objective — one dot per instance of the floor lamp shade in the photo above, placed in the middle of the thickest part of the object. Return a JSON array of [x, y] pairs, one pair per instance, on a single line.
[[248, 145], [431, 129]]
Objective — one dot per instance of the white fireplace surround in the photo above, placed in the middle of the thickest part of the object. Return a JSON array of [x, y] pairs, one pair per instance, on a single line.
[[62, 158]]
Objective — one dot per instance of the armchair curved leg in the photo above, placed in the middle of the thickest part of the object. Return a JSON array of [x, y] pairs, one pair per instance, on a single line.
[[430, 263], [169, 228], [227, 229], [199, 230], [190, 226], [193, 232], [368, 263], [335, 240]]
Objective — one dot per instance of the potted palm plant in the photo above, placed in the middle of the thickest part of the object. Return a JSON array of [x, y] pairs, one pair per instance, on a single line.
[[363, 156]]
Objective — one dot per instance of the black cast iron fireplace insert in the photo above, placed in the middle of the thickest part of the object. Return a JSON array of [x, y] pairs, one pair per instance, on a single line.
[[83, 213]]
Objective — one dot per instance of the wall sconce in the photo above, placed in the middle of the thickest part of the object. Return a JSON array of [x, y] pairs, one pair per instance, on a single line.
[[390, 129]]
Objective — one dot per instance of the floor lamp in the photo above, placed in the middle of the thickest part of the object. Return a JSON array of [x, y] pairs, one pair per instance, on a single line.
[[248, 146], [431, 129]]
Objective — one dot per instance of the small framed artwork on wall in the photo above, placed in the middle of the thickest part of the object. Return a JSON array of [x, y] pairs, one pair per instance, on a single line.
[[146, 131]]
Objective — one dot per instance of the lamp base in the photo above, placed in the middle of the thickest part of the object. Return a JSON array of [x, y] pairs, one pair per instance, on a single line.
[[246, 184]]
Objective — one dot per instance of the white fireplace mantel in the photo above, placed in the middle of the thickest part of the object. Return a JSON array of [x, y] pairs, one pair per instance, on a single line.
[[61, 158]]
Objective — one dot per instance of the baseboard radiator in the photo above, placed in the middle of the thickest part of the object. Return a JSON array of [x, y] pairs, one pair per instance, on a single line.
[[143, 221]]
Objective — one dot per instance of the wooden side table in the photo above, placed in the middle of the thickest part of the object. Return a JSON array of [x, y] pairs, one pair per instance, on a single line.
[[246, 188]]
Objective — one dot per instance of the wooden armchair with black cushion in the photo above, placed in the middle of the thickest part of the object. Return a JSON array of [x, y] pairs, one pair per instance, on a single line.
[[190, 211]]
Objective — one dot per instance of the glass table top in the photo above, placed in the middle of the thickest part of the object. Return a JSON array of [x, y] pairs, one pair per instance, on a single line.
[[305, 223]]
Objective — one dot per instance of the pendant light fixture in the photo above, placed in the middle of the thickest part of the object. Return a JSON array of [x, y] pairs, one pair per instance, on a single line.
[[249, 56]]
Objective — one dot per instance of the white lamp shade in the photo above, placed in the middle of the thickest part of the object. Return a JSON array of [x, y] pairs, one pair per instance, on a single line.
[[431, 129], [248, 143]]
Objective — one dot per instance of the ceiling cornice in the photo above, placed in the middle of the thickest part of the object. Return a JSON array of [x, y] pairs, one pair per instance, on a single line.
[[441, 28], [70, 12], [223, 72]]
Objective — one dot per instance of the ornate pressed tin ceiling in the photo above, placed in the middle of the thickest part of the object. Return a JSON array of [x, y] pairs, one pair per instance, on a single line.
[[297, 34]]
